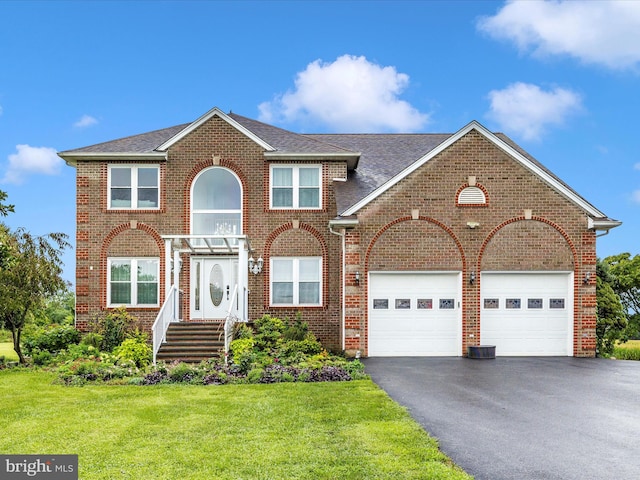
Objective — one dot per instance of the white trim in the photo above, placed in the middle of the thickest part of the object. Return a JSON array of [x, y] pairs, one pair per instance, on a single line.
[[204, 118], [134, 185], [296, 282], [133, 282], [72, 157], [191, 209], [474, 125], [295, 186]]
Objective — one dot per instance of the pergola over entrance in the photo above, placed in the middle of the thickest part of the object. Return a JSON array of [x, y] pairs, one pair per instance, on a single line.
[[192, 245]]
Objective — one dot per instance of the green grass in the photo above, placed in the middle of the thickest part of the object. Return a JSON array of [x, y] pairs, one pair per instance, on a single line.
[[7, 351], [627, 351], [342, 430]]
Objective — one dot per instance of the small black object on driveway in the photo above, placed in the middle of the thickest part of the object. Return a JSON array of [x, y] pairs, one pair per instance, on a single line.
[[524, 418]]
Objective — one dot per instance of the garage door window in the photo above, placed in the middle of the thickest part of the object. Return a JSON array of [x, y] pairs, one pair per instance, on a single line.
[[403, 303], [534, 303], [491, 303], [513, 303], [556, 303], [380, 303], [447, 303], [425, 303]]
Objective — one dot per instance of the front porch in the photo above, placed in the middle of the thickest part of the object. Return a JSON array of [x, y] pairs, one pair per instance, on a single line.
[[217, 289]]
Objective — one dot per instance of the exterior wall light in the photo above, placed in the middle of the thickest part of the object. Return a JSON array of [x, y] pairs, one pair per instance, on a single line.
[[472, 278], [357, 278], [587, 277], [255, 267]]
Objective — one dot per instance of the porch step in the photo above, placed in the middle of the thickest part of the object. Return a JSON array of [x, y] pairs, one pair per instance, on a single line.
[[192, 342]]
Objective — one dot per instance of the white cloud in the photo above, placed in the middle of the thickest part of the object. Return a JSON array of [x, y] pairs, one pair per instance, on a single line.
[[596, 32], [85, 121], [635, 196], [350, 94], [527, 110], [637, 166], [31, 161]]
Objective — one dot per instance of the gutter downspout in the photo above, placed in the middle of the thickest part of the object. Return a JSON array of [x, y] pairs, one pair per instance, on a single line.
[[343, 282]]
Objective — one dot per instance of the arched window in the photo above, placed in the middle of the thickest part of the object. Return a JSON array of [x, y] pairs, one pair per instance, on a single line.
[[216, 203]]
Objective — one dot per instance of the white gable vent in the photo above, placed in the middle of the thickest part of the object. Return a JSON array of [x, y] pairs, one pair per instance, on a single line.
[[471, 196]]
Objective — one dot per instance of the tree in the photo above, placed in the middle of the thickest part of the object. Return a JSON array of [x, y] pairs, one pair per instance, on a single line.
[[32, 274], [612, 321], [625, 281], [4, 208]]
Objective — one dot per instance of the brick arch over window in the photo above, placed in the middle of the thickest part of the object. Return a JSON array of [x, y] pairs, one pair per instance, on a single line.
[[466, 188], [117, 238], [194, 173], [441, 251], [291, 242]]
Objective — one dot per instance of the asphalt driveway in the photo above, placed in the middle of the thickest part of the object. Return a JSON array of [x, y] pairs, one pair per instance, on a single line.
[[524, 418]]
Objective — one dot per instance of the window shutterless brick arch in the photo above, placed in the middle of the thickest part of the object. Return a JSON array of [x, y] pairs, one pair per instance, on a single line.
[[116, 243], [219, 162]]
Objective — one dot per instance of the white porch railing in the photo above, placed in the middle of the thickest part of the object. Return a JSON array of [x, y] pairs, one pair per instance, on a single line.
[[230, 320], [170, 312]]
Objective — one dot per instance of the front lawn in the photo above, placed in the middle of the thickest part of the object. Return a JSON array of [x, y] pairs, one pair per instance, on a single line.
[[334, 430], [7, 351]]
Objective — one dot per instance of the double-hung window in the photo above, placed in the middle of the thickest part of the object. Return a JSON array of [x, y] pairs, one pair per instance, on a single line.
[[133, 282], [296, 281], [134, 187], [295, 187]]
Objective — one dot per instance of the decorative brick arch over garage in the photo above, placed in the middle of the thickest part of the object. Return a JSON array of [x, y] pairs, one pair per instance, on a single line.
[[528, 283], [414, 292]]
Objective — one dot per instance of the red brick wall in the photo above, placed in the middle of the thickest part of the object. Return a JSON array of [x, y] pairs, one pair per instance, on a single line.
[[103, 233], [389, 238]]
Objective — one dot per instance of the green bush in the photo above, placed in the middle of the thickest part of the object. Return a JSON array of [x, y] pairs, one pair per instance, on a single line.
[[114, 327], [92, 339], [136, 350], [242, 330], [269, 331], [51, 339], [296, 330], [41, 357]]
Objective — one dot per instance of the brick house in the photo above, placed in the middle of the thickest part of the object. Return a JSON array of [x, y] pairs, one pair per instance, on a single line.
[[387, 244]]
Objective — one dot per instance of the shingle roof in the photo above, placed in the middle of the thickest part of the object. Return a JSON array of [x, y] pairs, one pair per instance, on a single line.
[[142, 143], [383, 157]]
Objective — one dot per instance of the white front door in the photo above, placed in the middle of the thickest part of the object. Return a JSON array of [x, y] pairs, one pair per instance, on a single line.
[[213, 280]]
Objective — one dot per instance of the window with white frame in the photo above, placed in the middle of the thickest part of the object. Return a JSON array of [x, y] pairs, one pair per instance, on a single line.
[[133, 282], [295, 186], [134, 187], [296, 281]]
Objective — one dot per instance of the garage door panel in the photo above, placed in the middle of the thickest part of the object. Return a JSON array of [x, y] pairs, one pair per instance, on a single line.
[[413, 314], [526, 313]]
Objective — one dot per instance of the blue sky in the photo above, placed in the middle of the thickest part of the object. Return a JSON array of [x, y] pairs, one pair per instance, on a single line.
[[561, 78]]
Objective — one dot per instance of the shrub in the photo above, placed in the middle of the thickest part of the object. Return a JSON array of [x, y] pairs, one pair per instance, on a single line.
[[114, 327], [136, 350], [269, 332], [242, 330], [51, 339], [92, 339], [41, 357], [298, 330]]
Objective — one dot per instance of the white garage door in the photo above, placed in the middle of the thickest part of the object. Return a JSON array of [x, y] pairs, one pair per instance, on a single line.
[[527, 313], [414, 314]]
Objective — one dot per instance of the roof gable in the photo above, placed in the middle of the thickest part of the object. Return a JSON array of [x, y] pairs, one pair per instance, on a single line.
[[214, 112], [527, 162]]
